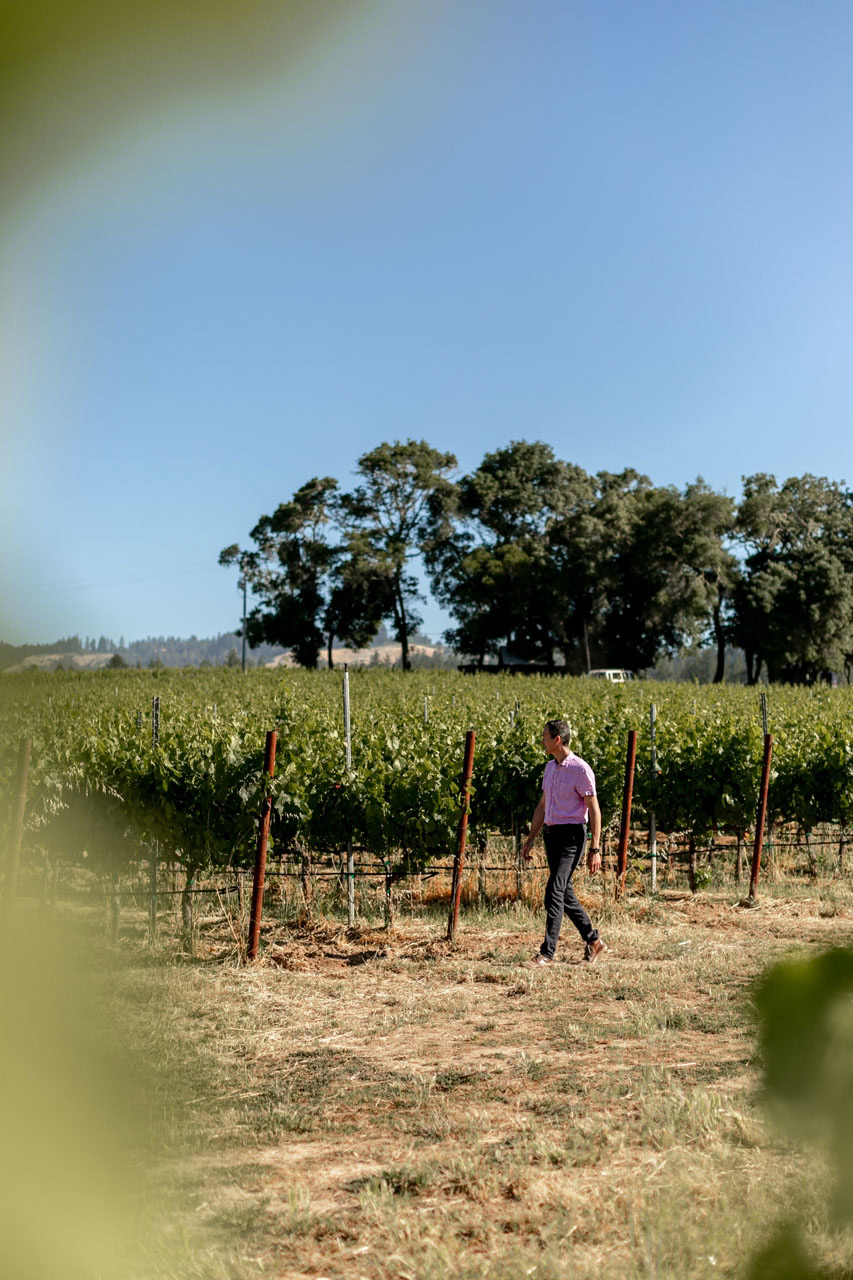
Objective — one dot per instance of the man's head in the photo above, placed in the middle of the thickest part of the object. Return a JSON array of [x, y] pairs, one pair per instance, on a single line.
[[557, 737]]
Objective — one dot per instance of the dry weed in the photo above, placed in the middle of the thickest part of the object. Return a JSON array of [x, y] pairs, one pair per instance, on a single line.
[[366, 1104]]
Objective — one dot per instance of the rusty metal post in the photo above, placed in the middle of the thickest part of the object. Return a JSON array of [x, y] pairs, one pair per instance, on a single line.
[[261, 852], [13, 857], [459, 859], [653, 826], [625, 826], [762, 814]]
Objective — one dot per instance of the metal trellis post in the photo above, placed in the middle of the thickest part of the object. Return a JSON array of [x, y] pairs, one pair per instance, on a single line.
[[261, 853], [348, 748], [762, 814]]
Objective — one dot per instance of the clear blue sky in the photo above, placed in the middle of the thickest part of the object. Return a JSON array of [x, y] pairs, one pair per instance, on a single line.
[[620, 228]]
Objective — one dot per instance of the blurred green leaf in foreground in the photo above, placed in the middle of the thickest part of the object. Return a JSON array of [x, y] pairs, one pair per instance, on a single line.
[[66, 1099], [805, 1010]]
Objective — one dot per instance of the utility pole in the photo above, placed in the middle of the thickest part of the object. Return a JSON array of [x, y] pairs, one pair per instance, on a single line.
[[242, 584]]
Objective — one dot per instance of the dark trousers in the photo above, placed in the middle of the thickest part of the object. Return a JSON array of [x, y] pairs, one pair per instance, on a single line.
[[564, 846]]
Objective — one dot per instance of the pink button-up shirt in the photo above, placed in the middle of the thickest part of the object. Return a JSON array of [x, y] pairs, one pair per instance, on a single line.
[[566, 787]]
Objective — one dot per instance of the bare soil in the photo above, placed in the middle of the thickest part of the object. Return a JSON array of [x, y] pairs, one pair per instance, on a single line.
[[383, 1104]]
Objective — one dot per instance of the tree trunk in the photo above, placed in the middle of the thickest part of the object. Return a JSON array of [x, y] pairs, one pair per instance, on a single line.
[[586, 647], [720, 672], [329, 651], [750, 666], [402, 624], [404, 645]]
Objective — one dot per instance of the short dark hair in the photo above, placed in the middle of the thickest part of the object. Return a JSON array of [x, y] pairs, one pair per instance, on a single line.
[[559, 729]]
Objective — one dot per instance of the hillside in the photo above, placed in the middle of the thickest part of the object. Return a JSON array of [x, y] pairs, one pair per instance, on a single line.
[[170, 651]]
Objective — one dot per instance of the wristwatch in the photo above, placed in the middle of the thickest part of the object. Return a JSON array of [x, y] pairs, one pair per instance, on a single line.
[[595, 848]]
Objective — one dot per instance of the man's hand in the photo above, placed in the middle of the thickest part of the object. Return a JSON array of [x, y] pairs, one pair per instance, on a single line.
[[593, 861], [527, 848]]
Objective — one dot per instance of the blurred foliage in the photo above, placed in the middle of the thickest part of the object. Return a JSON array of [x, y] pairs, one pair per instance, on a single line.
[[70, 73], [805, 1010], [67, 1102]]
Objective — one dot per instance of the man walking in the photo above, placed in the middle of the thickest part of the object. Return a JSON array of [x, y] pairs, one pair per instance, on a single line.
[[568, 800]]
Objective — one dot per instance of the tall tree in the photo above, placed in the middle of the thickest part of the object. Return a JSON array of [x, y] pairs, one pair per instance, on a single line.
[[391, 516], [666, 578], [490, 558], [794, 603], [312, 586], [707, 531], [536, 555]]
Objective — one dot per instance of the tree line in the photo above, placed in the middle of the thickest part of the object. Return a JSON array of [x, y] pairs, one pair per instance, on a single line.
[[534, 557]]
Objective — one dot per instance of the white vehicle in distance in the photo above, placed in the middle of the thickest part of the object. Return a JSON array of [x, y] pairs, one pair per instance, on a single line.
[[616, 675]]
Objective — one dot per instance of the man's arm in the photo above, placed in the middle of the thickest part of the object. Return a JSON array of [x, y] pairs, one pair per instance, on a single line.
[[593, 858], [535, 828]]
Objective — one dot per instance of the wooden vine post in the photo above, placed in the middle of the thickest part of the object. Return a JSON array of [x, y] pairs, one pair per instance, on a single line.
[[625, 825], [762, 803], [462, 835], [653, 828], [261, 852]]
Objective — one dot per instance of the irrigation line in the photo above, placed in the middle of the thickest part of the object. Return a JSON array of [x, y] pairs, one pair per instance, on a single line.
[[161, 893], [144, 892]]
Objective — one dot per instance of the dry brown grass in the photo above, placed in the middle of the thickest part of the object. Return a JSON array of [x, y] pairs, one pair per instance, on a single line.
[[372, 1104]]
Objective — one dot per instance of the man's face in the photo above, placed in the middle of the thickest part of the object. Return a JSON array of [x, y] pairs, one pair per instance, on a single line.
[[550, 744]]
